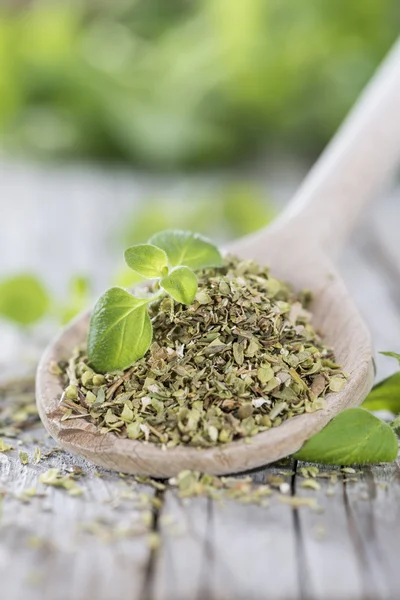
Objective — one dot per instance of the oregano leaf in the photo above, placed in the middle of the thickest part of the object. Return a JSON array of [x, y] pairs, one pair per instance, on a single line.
[[181, 284], [385, 395], [392, 355], [23, 299], [120, 331], [188, 249], [147, 260], [395, 425], [354, 436]]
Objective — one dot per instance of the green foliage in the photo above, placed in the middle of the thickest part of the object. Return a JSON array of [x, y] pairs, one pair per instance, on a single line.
[[181, 284], [120, 331], [237, 209], [77, 299], [120, 328], [392, 355], [188, 249], [106, 80], [23, 299], [385, 395], [244, 210], [354, 436], [147, 260]]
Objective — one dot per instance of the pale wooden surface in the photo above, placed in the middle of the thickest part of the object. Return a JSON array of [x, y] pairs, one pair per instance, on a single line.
[[208, 550]]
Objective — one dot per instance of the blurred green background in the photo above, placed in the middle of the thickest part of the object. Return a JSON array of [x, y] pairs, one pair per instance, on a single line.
[[160, 87], [173, 84]]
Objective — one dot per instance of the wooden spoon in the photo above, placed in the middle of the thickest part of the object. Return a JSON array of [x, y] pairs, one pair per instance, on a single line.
[[298, 248]]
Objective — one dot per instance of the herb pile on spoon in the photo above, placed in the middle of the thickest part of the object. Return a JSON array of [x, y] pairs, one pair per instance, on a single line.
[[198, 359]]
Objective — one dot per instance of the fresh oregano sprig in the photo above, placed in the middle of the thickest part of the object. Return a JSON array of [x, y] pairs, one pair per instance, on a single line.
[[120, 327]]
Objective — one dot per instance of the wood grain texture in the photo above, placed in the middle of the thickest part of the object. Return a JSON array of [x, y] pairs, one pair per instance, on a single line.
[[76, 564], [236, 572], [216, 560], [184, 567], [373, 512], [326, 544], [56, 546]]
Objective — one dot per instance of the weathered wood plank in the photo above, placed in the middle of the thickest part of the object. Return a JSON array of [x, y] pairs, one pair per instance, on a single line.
[[57, 546], [183, 564], [372, 506], [233, 550], [384, 493], [256, 543], [324, 539]]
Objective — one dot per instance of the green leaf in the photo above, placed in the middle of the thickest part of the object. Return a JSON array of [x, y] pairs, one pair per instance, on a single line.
[[120, 331], [187, 248], [76, 299], [385, 395], [355, 436], [244, 209], [147, 260], [392, 354], [23, 299], [395, 425], [181, 284]]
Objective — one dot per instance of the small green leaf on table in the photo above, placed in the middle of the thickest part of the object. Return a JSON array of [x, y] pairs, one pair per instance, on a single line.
[[354, 436], [120, 331], [181, 284], [23, 299], [186, 248], [147, 260]]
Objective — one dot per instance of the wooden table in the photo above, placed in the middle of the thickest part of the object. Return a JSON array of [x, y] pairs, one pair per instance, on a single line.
[[121, 539]]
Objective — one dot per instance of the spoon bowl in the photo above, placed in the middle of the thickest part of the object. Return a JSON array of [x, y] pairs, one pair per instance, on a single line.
[[298, 249], [334, 315]]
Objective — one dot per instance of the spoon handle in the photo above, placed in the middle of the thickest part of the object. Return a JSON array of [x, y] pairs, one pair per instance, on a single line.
[[353, 167]]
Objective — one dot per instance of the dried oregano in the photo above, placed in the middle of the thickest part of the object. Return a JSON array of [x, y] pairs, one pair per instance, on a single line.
[[241, 359]]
